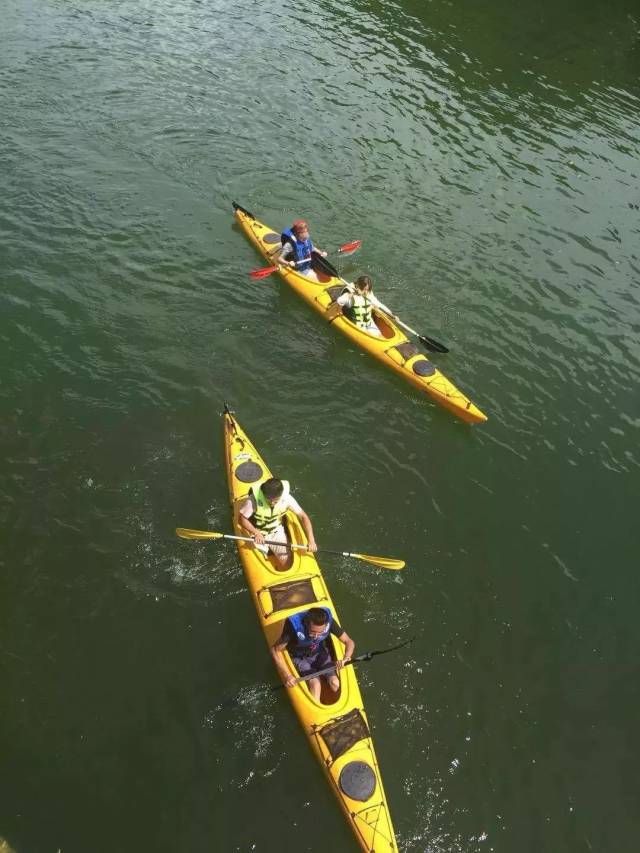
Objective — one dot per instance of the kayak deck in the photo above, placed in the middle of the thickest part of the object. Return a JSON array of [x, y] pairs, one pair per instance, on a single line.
[[393, 348], [336, 727]]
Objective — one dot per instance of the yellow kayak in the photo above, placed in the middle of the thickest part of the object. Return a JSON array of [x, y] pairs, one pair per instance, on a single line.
[[393, 349], [336, 727]]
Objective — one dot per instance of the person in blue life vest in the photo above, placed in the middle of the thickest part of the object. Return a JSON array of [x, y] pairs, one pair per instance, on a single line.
[[356, 303], [297, 248], [305, 636], [261, 514]]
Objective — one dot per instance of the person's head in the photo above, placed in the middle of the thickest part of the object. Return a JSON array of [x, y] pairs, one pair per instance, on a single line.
[[272, 490], [316, 621], [364, 284], [300, 229]]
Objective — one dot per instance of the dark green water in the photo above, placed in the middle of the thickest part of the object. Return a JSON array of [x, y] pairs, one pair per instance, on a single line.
[[487, 155]]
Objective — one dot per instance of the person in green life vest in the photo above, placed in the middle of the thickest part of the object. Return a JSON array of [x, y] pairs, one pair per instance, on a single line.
[[357, 304], [262, 514]]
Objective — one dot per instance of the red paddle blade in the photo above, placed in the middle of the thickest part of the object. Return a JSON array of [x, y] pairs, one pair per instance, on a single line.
[[263, 273], [350, 248]]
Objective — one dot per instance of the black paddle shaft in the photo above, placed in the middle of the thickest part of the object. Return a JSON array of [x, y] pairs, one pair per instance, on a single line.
[[327, 267], [366, 656]]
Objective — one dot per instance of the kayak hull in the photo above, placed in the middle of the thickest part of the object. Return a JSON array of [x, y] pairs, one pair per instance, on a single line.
[[393, 348], [336, 727]]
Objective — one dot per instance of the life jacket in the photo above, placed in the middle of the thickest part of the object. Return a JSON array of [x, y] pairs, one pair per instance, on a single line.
[[301, 249], [304, 643], [266, 518], [360, 311]]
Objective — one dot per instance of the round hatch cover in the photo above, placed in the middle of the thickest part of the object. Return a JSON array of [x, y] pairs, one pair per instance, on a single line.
[[248, 472], [357, 780], [271, 237], [423, 367]]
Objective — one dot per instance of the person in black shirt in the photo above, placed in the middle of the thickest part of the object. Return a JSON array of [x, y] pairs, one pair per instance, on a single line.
[[304, 635]]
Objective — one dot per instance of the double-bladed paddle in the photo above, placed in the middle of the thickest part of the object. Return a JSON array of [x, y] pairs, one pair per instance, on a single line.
[[383, 562], [357, 659], [346, 249], [430, 343]]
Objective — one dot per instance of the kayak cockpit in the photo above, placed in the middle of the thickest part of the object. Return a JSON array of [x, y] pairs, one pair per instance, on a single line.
[[296, 595], [327, 695], [386, 329], [294, 559], [323, 276]]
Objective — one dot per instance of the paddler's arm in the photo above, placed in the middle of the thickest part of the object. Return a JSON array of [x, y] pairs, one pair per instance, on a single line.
[[350, 647], [336, 308], [246, 524], [283, 257], [278, 658], [379, 304], [305, 521]]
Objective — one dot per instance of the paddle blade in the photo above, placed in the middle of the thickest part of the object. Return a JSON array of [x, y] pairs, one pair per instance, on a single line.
[[263, 273], [350, 248], [325, 266], [185, 533], [432, 345], [383, 562]]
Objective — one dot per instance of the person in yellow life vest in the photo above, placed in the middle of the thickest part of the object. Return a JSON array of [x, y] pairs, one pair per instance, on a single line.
[[262, 514], [357, 304]]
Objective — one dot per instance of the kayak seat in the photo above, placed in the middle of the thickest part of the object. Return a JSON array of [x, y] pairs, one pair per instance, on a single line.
[[387, 330], [327, 695], [286, 523]]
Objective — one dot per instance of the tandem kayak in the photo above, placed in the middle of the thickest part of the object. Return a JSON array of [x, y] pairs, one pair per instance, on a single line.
[[336, 727], [393, 349]]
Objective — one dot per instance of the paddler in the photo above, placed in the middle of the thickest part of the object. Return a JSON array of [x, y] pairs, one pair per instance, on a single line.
[[357, 302], [305, 635], [261, 515], [297, 249]]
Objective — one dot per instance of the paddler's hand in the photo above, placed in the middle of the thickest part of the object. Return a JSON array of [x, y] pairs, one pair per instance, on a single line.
[[292, 264], [323, 254], [312, 546], [290, 680], [340, 663], [258, 538]]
